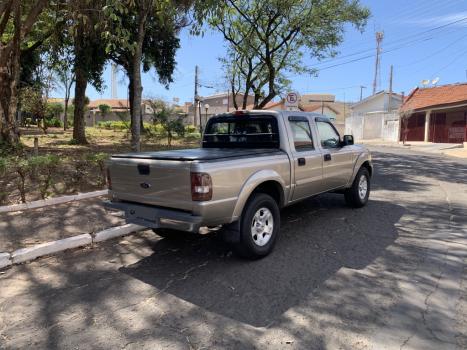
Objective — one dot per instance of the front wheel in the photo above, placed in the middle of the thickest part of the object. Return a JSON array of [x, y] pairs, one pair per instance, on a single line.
[[357, 195], [259, 227]]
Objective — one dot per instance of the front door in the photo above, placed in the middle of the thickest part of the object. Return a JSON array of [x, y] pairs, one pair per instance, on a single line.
[[337, 160], [307, 160]]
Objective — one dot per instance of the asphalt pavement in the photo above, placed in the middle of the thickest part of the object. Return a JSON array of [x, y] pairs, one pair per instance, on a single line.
[[392, 275]]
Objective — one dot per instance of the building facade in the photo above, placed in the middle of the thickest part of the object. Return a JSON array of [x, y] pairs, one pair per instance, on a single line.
[[436, 114]]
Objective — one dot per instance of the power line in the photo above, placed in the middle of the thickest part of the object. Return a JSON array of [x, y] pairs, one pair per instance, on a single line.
[[451, 63], [369, 56], [394, 42]]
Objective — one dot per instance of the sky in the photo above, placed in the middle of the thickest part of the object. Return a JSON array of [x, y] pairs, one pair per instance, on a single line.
[[423, 40]]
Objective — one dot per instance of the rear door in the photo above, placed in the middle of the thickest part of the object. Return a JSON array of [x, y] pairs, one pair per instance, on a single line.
[[307, 159], [337, 160]]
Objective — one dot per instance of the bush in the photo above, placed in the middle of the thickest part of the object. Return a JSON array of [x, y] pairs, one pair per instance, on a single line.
[[99, 160], [55, 122], [189, 129], [43, 168], [3, 180], [114, 125]]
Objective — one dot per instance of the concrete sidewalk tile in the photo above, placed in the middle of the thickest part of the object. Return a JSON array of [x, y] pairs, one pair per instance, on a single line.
[[26, 254], [5, 260], [116, 232]]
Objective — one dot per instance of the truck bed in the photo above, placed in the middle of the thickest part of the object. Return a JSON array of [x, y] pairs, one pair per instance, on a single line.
[[199, 154]]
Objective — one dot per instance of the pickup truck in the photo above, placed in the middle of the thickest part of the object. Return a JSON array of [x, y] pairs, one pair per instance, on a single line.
[[250, 165]]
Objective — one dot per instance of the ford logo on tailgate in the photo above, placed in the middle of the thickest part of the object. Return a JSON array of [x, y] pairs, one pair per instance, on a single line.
[[145, 185]]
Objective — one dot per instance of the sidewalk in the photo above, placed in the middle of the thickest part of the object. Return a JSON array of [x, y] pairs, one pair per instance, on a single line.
[[450, 149], [26, 228]]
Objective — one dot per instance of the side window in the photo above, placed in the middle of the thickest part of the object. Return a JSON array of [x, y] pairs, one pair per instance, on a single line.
[[301, 132], [328, 136]]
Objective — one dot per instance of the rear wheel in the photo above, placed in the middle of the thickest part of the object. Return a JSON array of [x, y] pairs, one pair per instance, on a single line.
[[259, 227], [357, 195]]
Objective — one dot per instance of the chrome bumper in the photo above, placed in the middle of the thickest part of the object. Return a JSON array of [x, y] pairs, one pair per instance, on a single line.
[[155, 217]]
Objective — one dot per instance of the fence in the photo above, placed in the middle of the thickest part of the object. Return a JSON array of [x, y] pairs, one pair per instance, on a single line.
[[373, 126]]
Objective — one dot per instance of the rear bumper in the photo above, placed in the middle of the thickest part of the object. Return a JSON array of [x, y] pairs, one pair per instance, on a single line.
[[154, 217]]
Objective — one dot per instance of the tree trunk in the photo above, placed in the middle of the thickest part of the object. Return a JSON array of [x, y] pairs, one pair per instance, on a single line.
[[9, 78], [136, 86], [65, 117], [79, 134]]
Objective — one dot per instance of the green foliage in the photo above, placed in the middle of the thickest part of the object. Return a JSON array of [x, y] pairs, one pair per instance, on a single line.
[[114, 125], [165, 115], [4, 164], [99, 160], [54, 122], [191, 129], [43, 168], [104, 109], [268, 40], [53, 110]]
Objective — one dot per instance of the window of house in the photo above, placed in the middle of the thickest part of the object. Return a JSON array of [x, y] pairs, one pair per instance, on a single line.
[[328, 136], [301, 132]]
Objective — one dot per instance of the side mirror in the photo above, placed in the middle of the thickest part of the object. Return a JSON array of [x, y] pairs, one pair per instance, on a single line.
[[347, 140]]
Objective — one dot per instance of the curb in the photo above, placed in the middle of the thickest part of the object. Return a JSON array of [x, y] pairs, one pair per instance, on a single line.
[[31, 253], [27, 254], [52, 201], [5, 260], [116, 232]]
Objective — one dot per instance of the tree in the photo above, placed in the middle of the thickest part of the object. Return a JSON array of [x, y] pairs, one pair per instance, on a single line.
[[168, 118], [104, 109], [404, 120], [17, 19], [64, 74], [90, 57], [268, 38], [143, 34]]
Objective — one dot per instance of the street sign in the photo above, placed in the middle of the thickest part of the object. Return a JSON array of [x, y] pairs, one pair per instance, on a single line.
[[291, 101]]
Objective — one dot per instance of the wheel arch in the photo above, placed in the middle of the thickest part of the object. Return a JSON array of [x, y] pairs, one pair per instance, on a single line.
[[266, 181]]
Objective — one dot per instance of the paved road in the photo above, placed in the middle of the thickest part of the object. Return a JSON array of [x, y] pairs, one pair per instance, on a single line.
[[392, 275]]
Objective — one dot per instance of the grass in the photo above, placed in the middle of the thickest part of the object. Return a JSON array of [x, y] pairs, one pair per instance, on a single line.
[[80, 166]]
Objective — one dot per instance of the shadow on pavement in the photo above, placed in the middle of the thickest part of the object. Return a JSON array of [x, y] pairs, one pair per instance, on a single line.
[[318, 237]]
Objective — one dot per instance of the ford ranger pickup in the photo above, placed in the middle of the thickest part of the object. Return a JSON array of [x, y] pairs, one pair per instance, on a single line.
[[250, 165]]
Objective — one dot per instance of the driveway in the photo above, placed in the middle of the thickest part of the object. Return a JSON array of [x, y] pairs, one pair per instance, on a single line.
[[392, 275]]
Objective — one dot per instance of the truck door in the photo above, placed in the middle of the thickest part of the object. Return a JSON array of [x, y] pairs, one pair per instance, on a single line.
[[307, 159], [337, 160]]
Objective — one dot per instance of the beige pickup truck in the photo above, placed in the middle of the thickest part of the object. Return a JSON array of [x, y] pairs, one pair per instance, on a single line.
[[250, 164]]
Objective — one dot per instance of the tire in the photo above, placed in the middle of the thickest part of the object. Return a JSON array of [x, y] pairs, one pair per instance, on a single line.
[[357, 195], [259, 227]]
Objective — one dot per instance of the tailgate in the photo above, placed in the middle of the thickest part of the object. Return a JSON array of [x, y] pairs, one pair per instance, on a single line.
[[164, 183]]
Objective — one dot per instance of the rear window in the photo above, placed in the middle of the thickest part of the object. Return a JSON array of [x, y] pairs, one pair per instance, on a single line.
[[244, 131]]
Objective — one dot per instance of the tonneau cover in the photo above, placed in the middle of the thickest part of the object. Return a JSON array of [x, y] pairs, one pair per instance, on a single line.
[[198, 154]]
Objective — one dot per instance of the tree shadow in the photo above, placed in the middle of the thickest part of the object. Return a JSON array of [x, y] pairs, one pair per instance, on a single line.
[[318, 237], [399, 172]]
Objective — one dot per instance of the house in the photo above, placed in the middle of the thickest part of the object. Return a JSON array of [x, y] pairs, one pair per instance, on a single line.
[[436, 114], [381, 102], [375, 117], [214, 104]]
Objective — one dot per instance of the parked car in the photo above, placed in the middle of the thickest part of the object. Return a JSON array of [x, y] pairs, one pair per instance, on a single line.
[[251, 164]]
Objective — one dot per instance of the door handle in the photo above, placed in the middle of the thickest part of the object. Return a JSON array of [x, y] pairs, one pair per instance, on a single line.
[[327, 157], [301, 161]]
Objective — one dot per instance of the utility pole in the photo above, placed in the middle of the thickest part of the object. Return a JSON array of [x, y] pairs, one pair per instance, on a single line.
[[361, 91], [196, 99], [390, 87], [379, 40]]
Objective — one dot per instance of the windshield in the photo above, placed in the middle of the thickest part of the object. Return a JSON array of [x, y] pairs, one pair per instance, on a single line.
[[243, 131]]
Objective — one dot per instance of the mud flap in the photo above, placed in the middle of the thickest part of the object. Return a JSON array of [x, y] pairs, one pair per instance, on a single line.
[[231, 232]]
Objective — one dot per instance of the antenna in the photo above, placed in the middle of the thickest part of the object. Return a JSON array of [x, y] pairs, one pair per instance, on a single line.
[[377, 80], [425, 82], [435, 81]]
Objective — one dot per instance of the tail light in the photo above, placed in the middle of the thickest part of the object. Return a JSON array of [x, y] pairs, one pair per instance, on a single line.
[[201, 187], [109, 180]]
